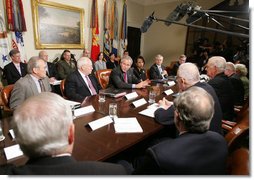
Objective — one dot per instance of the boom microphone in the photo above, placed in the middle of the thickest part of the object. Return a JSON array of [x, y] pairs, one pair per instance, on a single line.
[[179, 12], [147, 23]]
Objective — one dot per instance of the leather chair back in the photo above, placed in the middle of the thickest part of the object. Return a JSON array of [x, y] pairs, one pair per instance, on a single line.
[[5, 95], [103, 77]]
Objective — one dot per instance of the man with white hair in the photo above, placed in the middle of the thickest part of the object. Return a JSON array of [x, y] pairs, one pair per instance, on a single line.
[[215, 68], [82, 82], [188, 76]]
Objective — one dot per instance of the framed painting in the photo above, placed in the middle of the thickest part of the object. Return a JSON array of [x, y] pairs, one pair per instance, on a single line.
[[57, 26]]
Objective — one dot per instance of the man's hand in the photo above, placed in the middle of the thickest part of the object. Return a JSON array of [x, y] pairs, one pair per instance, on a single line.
[[143, 84], [165, 104]]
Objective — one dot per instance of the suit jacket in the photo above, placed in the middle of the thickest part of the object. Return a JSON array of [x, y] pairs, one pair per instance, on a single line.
[[64, 69], [155, 72], [76, 88], [141, 75], [174, 70], [12, 74], [116, 79], [224, 91], [166, 117], [24, 88], [189, 154], [238, 90], [52, 70], [66, 165]]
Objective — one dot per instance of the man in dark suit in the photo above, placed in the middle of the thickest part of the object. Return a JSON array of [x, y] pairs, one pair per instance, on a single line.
[[82, 82], [222, 85], [15, 69], [46, 137], [188, 76], [122, 77], [157, 70], [181, 60], [35, 82], [197, 151], [238, 88]]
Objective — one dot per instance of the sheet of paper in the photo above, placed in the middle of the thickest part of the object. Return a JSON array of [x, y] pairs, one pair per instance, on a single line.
[[100, 122], [139, 102], [127, 125], [171, 83], [12, 152], [168, 92], [131, 95], [150, 110], [83, 110]]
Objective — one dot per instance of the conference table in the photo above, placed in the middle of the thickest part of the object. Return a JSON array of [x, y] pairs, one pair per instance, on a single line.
[[103, 143]]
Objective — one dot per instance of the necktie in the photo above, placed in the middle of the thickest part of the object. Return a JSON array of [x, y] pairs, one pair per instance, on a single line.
[[42, 85], [91, 85], [125, 77]]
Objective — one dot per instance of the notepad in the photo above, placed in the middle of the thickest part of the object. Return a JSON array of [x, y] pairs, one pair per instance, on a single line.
[[150, 110], [127, 125], [12, 152]]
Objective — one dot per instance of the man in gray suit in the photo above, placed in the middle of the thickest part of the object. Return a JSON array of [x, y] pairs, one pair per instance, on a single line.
[[35, 82]]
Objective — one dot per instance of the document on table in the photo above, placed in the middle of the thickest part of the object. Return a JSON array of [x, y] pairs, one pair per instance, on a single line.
[[12, 152], [150, 110], [127, 125], [100, 122]]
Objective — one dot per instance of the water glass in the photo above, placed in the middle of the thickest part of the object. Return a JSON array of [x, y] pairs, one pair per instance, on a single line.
[[101, 96], [112, 110], [152, 96], [2, 137]]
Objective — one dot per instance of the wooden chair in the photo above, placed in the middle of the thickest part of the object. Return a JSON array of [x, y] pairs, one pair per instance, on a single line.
[[62, 88], [238, 162], [5, 95], [103, 77]]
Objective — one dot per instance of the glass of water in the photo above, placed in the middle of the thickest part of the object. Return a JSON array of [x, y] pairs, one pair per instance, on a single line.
[[112, 110], [2, 137], [152, 96]]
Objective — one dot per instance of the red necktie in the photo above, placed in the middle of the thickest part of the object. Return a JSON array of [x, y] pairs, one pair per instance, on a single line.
[[91, 85], [125, 77]]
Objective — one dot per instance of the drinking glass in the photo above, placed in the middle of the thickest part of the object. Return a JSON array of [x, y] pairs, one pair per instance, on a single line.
[[112, 110]]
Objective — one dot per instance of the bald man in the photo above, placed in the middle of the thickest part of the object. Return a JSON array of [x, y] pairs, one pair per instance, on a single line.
[[188, 76], [82, 82]]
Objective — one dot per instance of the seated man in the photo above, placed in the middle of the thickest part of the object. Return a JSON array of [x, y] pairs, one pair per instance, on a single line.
[[181, 60], [15, 69], [157, 70], [122, 77], [188, 76], [46, 137], [197, 151], [35, 82], [82, 82]]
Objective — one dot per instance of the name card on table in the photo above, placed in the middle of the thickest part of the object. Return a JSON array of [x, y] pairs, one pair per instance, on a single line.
[[12, 133], [131, 95], [171, 83], [100, 122], [168, 92], [83, 110], [139, 102], [127, 125], [12, 152], [56, 82]]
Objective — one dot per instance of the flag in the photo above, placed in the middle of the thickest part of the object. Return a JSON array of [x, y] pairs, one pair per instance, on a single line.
[[123, 39], [17, 42], [115, 29], [106, 36], [3, 43], [15, 15], [95, 31]]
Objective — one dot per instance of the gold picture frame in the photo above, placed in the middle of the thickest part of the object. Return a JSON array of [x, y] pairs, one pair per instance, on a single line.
[[57, 26]]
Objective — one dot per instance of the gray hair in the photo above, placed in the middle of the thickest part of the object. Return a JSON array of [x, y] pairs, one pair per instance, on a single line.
[[219, 62], [158, 56], [241, 68], [33, 63], [42, 131], [127, 58], [189, 72], [230, 66], [83, 61], [196, 108]]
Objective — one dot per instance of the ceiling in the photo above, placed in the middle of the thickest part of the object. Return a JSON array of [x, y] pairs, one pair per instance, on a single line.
[[152, 2]]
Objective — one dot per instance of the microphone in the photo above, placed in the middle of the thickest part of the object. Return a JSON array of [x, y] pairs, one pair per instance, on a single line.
[[147, 23], [195, 14], [179, 12]]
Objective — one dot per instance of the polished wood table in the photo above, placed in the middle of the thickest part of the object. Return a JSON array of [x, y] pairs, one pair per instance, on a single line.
[[104, 143]]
